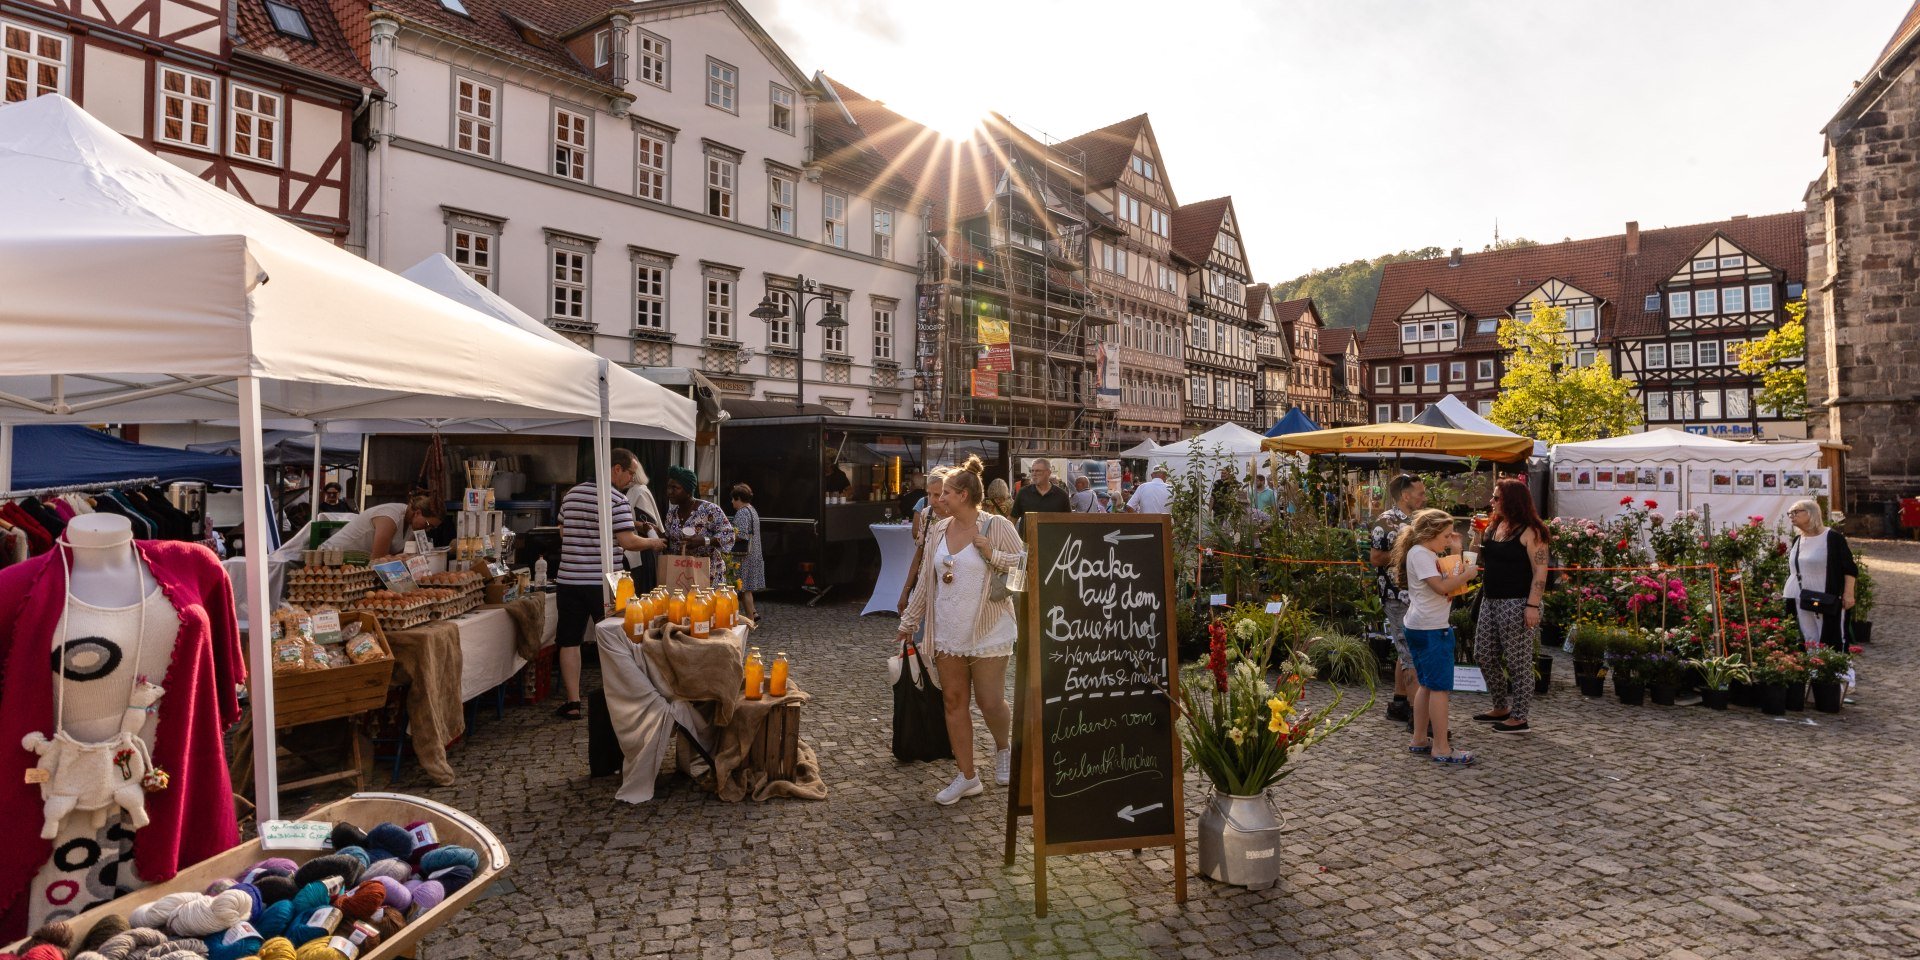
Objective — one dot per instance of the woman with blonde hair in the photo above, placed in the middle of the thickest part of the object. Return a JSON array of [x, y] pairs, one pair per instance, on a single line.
[[972, 634], [1821, 576], [929, 511], [1429, 632], [998, 499]]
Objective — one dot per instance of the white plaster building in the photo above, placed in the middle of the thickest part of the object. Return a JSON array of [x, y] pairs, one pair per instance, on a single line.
[[638, 176]]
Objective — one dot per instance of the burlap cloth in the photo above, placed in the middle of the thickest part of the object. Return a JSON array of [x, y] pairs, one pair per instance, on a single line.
[[710, 674], [428, 659], [529, 615]]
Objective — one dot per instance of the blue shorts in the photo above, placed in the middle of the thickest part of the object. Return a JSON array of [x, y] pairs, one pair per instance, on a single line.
[[1433, 657]]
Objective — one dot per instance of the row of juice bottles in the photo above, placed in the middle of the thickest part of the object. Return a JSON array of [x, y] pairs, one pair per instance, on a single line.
[[702, 611], [760, 677]]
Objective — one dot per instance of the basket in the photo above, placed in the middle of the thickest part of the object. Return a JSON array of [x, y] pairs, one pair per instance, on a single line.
[[364, 810], [312, 696]]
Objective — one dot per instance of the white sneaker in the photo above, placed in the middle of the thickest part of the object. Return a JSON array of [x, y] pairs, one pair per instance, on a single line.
[[1003, 766], [962, 786]]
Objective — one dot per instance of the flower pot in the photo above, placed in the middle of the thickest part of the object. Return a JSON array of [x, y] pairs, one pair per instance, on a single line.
[[1863, 631], [1743, 694], [1240, 841], [1713, 699], [1796, 696], [1542, 673], [1631, 691], [1383, 654], [1662, 693], [1773, 699], [1552, 635], [1826, 696]]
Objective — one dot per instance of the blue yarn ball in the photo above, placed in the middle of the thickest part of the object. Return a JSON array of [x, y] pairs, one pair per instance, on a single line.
[[445, 857], [390, 839], [453, 878], [240, 947], [311, 897], [275, 919], [358, 853]]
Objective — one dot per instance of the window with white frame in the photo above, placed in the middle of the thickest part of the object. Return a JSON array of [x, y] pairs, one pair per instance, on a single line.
[[1710, 408], [473, 244], [1732, 262], [780, 203], [720, 294], [32, 62], [1680, 355], [780, 109], [1129, 208], [1143, 167], [188, 104], [1703, 264], [1762, 296], [833, 217], [1739, 403], [288, 19], [568, 278], [1583, 317], [649, 293], [833, 340], [653, 59], [1406, 374], [720, 185], [1483, 370], [1383, 376], [253, 125], [1706, 303], [882, 232], [883, 330], [780, 329], [1484, 408], [1656, 355], [1734, 300], [1448, 330], [1159, 222], [1679, 304], [570, 132], [475, 113], [652, 148], [603, 48], [1222, 398], [1707, 353], [1431, 374], [1487, 325], [1653, 303], [1457, 371], [723, 86], [1382, 413], [1583, 358], [1659, 405], [1197, 390], [1113, 259], [1685, 403], [1406, 411], [1409, 333]]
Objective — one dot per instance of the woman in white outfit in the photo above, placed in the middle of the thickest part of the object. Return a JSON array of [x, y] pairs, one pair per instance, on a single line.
[[972, 635], [383, 530], [1819, 560]]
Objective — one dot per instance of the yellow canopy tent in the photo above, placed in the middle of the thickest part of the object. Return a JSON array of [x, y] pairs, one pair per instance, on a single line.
[[1405, 438]]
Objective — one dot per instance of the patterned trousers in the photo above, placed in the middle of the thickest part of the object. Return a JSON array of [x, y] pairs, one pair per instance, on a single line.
[[1504, 647]]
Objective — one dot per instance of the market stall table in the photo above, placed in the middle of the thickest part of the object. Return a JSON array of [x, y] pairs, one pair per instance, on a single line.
[[433, 660], [896, 555]]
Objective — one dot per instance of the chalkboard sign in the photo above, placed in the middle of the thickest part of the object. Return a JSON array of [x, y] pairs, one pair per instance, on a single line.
[[1102, 758]]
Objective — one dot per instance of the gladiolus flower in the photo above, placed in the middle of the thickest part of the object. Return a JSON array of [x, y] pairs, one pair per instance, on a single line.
[[1278, 706], [1277, 725], [1236, 736]]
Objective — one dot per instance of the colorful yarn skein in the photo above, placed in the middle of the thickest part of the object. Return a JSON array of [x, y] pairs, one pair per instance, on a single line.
[[274, 888], [363, 900], [195, 914], [109, 926], [278, 948], [333, 865], [392, 867], [427, 894], [449, 856], [234, 944], [389, 841]]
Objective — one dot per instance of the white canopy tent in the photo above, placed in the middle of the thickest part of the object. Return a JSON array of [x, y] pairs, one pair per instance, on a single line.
[[1142, 450], [136, 292], [1228, 440], [1458, 416], [1733, 479]]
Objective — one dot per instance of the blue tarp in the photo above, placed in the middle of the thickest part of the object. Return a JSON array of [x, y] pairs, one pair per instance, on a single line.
[[290, 448], [1293, 422], [58, 456]]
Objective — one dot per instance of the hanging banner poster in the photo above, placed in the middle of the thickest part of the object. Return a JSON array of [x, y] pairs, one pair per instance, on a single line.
[[986, 383], [1107, 371]]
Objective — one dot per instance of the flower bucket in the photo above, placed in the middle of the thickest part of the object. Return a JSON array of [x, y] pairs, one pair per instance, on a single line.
[[1826, 696], [1863, 631], [1662, 694], [1796, 696], [1240, 841], [1542, 674], [1773, 699], [1631, 691], [1713, 699]]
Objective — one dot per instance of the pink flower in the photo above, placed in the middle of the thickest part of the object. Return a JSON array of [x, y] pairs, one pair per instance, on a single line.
[[1756, 521]]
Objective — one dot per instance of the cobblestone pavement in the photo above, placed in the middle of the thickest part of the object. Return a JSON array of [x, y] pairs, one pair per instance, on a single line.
[[1610, 832]]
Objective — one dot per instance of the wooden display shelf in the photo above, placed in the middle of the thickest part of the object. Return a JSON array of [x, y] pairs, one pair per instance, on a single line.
[[312, 696]]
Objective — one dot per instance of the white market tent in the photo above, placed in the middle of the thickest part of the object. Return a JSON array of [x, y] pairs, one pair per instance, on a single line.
[[1451, 413], [1142, 450], [136, 292], [1733, 479], [1226, 440]]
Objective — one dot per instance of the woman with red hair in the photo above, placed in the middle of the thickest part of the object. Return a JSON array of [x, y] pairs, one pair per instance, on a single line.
[[1513, 560]]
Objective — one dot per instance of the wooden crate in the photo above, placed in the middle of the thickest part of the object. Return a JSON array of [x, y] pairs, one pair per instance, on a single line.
[[776, 750], [364, 810], [315, 695]]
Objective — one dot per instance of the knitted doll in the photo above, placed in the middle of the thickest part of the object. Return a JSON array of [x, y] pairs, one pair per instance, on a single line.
[[92, 777]]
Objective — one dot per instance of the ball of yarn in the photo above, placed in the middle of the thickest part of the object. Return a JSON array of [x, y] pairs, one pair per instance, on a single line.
[[278, 948], [453, 878], [447, 856], [275, 919], [333, 865], [109, 926], [391, 840], [122, 944], [357, 853], [422, 849], [275, 866], [426, 895], [258, 903], [388, 921], [398, 896], [311, 898], [196, 914], [221, 885], [347, 835], [363, 900], [182, 949], [57, 933], [158, 912], [221, 948], [391, 867], [274, 888], [44, 951], [319, 950]]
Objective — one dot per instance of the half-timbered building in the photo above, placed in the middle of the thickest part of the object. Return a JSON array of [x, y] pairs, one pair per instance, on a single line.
[[1220, 348], [1346, 406], [1272, 354], [259, 97], [1310, 386]]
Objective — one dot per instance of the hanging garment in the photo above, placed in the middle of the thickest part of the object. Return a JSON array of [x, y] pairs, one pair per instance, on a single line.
[[143, 527], [193, 818], [38, 539], [45, 515]]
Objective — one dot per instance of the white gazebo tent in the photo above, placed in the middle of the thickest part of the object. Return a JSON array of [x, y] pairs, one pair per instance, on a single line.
[[1139, 451], [136, 292], [1761, 479], [1228, 440]]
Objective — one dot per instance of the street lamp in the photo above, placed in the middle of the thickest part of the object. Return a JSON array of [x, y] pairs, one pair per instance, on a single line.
[[830, 319]]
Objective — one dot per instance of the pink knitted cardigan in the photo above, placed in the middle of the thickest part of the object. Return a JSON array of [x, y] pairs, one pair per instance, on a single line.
[[193, 818]]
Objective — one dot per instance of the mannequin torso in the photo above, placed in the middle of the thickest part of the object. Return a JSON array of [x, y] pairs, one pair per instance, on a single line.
[[104, 571]]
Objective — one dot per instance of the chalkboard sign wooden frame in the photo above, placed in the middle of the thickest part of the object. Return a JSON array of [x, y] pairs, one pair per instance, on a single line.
[[1152, 812]]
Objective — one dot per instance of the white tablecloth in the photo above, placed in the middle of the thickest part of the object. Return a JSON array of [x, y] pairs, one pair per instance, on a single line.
[[488, 657], [896, 555], [642, 716]]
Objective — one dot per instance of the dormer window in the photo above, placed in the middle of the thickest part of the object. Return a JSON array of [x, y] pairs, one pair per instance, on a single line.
[[289, 20], [455, 6]]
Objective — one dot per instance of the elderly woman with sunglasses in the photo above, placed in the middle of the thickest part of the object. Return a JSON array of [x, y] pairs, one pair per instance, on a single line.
[[1821, 574]]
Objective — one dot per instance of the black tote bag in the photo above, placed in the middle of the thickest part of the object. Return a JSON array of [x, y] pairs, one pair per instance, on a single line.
[[919, 715]]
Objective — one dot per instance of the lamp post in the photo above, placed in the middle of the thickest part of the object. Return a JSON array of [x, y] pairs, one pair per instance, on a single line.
[[830, 319]]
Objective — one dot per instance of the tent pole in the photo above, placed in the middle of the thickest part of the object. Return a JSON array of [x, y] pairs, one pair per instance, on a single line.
[[253, 479], [603, 483], [313, 485], [6, 456]]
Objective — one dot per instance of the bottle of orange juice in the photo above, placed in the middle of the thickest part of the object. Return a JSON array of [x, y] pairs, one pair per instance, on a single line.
[[778, 685], [622, 592], [700, 612], [725, 605], [635, 619], [677, 607], [755, 672]]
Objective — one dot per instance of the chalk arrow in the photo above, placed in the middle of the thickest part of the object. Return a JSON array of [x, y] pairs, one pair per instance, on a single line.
[[1114, 537], [1128, 812]]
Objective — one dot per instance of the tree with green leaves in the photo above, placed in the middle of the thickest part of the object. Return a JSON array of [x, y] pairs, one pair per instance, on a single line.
[[1345, 293], [1543, 395], [1782, 388]]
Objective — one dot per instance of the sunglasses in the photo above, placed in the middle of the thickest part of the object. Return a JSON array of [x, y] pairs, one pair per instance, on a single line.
[[947, 575]]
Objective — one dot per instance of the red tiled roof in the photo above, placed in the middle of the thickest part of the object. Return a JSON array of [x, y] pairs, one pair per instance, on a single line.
[[1256, 298], [493, 25], [330, 53], [1285, 313], [1107, 149], [1334, 340], [1908, 24], [1195, 226], [1778, 240]]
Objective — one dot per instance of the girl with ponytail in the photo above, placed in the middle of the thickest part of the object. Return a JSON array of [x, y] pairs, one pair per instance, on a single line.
[[1416, 563]]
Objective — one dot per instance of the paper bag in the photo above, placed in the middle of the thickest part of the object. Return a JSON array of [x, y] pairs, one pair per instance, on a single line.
[[680, 572]]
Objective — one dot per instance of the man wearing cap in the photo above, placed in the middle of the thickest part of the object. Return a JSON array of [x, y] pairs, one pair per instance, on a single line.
[[1154, 496]]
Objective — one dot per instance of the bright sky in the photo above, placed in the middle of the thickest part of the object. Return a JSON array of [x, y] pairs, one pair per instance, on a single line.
[[1350, 128]]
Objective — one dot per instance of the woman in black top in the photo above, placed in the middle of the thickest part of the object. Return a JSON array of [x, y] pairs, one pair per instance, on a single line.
[[1513, 560]]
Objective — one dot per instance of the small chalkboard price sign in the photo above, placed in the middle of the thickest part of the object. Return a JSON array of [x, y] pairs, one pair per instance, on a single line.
[[1099, 755]]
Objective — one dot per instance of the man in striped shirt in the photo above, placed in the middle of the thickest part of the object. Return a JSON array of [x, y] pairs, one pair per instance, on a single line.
[[579, 598]]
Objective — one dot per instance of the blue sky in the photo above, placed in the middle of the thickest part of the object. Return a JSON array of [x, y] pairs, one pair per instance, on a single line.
[[1349, 128]]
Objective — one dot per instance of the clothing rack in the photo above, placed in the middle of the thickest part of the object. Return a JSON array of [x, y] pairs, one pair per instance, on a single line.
[[78, 488]]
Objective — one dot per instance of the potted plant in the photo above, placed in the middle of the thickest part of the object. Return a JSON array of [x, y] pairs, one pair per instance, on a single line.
[[1240, 726], [1542, 669], [1662, 670], [1827, 669], [1589, 659], [1861, 616], [1627, 662], [1717, 674], [1776, 670], [1557, 609]]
